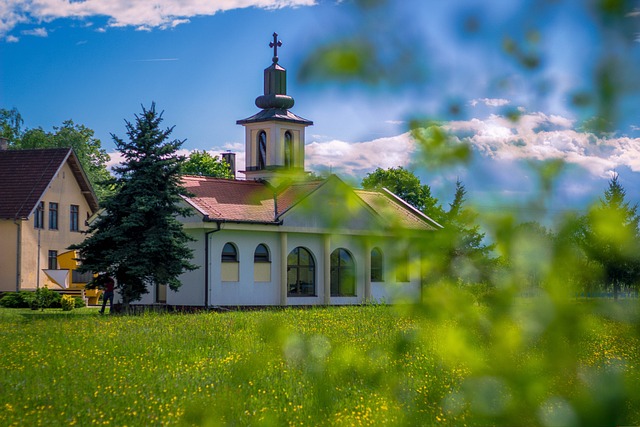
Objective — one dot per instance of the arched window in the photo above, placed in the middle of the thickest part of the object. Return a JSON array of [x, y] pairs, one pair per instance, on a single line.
[[229, 253], [301, 273], [262, 150], [261, 264], [288, 149], [343, 274], [230, 268], [261, 254], [377, 272]]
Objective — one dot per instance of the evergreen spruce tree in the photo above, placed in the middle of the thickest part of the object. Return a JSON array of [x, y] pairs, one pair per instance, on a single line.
[[612, 238], [469, 258], [137, 238]]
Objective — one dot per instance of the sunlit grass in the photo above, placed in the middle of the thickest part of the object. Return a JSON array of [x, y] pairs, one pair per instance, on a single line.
[[365, 365]]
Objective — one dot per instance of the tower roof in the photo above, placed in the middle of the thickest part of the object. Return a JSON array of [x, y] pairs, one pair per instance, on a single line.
[[275, 102]]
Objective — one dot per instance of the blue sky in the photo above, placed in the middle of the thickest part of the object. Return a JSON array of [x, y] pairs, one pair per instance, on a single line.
[[96, 62]]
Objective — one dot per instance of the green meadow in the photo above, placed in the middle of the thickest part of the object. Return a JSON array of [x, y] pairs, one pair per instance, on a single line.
[[345, 366]]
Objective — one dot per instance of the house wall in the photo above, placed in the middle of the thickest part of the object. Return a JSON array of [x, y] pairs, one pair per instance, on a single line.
[[267, 291], [65, 191], [8, 254]]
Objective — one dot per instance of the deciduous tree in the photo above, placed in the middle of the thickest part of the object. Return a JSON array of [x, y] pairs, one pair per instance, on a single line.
[[91, 155], [406, 185], [204, 164]]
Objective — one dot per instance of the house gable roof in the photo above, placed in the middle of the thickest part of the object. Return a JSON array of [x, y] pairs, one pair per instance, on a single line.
[[25, 176]]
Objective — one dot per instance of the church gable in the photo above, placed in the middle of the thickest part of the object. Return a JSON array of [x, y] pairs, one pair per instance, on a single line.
[[331, 205]]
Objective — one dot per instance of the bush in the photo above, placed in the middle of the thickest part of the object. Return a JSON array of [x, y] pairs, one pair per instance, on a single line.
[[22, 299], [79, 302], [45, 297], [67, 303], [11, 300]]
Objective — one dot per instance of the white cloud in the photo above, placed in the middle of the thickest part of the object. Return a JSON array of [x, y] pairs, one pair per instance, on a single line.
[[355, 159], [489, 102], [140, 14], [12, 39], [535, 136], [38, 32], [541, 137]]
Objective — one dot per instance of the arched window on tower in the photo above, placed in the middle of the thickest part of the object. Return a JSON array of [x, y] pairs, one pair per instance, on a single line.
[[262, 150], [288, 149]]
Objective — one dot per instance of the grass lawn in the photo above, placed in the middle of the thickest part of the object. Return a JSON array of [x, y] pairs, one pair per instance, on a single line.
[[364, 365]]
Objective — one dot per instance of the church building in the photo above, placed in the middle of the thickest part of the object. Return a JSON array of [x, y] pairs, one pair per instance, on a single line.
[[280, 238]]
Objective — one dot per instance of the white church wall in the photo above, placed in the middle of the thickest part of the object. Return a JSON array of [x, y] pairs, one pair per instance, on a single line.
[[244, 291], [191, 293], [192, 290]]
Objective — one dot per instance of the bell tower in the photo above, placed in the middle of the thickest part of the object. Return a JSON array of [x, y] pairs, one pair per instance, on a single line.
[[274, 137]]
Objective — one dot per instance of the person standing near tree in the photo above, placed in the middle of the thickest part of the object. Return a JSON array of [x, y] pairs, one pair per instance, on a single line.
[[109, 284]]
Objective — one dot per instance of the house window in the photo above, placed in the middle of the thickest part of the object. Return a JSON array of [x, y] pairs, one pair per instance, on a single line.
[[402, 267], [229, 253], [301, 273], [261, 254], [73, 218], [262, 150], [53, 216], [261, 264], [288, 149], [230, 269], [377, 273], [53, 260], [38, 217], [343, 274]]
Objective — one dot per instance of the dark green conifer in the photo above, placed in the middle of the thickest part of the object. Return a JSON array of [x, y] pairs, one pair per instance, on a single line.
[[137, 238]]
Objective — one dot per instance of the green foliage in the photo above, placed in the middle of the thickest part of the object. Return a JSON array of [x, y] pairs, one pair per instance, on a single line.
[[11, 122], [437, 147], [79, 302], [138, 239], [406, 185], [67, 303], [91, 155], [204, 164]]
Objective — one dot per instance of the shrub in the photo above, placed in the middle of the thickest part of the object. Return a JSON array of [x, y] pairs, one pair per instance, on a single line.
[[79, 302], [45, 297], [67, 302], [12, 300]]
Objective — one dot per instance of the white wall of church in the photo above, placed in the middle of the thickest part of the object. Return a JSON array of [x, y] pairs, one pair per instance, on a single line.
[[247, 291]]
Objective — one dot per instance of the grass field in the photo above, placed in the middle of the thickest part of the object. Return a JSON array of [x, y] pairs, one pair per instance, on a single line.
[[365, 365]]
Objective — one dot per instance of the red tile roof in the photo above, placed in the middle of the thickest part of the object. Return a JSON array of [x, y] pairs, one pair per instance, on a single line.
[[230, 200], [26, 174], [252, 201]]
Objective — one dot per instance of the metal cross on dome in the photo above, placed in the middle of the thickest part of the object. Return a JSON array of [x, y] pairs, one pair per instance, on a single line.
[[275, 44]]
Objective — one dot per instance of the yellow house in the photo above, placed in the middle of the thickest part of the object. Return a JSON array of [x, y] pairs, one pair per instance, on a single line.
[[45, 200]]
